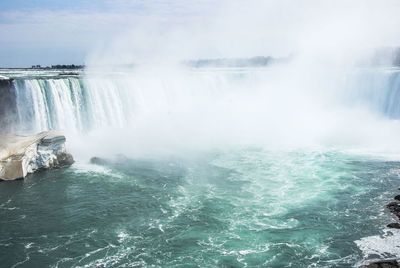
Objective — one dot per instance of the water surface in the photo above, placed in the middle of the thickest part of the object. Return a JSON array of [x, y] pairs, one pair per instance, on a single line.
[[241, 208]]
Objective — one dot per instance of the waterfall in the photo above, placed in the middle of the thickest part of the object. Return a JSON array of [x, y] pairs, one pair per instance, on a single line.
[[80, 104], [50, 104], [378, 90], [68, 104]]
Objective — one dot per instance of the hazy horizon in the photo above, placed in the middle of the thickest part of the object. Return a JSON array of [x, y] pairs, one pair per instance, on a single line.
[[119, 32]]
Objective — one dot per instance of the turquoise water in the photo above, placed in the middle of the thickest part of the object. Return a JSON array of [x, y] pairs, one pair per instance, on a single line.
[[241, 208]]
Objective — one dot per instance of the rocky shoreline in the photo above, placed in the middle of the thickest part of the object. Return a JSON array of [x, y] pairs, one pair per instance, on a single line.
[[382, 264], [22, 155], [394, 208]]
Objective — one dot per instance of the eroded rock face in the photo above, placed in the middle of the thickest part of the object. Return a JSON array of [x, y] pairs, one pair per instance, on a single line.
[[8, 106], [21, 155], [99, 161]]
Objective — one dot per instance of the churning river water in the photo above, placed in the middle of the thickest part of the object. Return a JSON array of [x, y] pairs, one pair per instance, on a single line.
[[239, 208]]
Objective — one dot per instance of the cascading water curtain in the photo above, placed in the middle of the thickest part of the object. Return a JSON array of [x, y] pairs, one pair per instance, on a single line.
[[82, 104]]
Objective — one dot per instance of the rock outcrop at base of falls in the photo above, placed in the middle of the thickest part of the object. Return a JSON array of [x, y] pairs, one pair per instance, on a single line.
[[21, 155], [8, 106]]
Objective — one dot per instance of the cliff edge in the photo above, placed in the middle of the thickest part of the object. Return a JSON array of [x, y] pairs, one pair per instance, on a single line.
[[21, 155], [8, 106]]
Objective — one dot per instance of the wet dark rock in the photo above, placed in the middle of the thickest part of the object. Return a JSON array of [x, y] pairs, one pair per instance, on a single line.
[[395, 225], [393, 206], [8, 106], [99, 161], [117, 159], [64, 160], [382, 264], [396, 208]]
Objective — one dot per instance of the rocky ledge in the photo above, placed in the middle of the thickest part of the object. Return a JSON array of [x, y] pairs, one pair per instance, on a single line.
[[21, 155], [382, 264], [394, 208]]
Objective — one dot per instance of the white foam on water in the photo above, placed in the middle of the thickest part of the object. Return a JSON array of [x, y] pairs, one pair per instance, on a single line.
[[384, 246], [82, 168]]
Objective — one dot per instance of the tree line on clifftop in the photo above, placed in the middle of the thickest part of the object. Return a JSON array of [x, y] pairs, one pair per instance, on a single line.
[[59, 66]]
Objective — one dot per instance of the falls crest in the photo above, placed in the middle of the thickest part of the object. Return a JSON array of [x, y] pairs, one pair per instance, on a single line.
[[80, 104]]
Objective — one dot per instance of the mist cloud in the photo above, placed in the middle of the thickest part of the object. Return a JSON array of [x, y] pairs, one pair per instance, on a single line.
[[142, 30]]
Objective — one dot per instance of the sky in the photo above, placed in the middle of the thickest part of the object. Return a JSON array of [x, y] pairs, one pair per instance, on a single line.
[[105, 32], [64, 32]]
